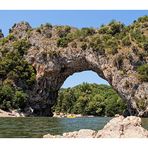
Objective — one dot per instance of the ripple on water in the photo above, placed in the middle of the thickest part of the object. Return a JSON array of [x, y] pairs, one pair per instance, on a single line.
[[33, 127]]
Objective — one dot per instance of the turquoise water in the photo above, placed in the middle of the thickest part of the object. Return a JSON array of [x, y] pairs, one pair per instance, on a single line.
[[33, 127]]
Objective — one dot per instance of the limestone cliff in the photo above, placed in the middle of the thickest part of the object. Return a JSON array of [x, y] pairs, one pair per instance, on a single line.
[[116, 52]]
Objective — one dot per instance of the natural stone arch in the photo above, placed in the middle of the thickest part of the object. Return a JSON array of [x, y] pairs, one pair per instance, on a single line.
[[51, 76], [54, 64]]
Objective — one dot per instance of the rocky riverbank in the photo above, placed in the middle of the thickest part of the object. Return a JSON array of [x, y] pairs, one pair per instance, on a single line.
[[13, 113], [118, 127]]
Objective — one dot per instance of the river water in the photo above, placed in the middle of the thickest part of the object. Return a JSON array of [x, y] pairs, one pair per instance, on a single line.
[[33, 127]]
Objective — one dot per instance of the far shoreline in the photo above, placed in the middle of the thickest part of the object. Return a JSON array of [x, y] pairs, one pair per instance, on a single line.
[[71, 115], [15, 113]]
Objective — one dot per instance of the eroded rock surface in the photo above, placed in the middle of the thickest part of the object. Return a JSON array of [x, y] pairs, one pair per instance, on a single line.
[[53, 63], [118, 127]]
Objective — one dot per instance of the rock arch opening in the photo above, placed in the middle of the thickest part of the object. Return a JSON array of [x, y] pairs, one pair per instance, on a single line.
[[83, 77], [85, 93]]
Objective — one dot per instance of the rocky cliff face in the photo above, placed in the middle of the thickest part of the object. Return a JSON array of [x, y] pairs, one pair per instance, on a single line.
[[114, 52]]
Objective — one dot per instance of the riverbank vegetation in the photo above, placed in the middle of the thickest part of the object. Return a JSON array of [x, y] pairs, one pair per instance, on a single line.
[[89, 99]]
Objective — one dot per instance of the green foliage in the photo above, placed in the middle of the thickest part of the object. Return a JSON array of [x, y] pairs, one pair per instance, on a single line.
[[96, 44], [21, 46], [143, 72], [115, 27], [66, 36], [63, 31], [3, 41], [11, 37], [112, 46], [126, 41], [48, 25], [81, 33], [108, 39], [20, 99], [103, 29], [17, 76], [89, 99], [112, 50], [64, 39], [139, 37], [112, 28], [84, 32], [62, 42], [74, 35], [11, 98], [143, 19]]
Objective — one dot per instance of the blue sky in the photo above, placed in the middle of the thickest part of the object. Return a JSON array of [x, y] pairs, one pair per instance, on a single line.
[[73, 18]]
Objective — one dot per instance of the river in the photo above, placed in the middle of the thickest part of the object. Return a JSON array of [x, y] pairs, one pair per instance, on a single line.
[[33, 127]]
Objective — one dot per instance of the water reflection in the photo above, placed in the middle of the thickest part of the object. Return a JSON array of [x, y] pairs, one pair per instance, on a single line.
[[27, 127]]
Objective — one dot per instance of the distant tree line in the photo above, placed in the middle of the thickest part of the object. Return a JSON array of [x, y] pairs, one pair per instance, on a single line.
[[90, 99]]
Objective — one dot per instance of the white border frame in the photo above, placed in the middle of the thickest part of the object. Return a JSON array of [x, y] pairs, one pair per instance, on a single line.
[[74, 4]]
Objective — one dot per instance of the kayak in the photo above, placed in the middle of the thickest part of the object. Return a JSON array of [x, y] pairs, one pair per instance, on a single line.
[[71, 116]]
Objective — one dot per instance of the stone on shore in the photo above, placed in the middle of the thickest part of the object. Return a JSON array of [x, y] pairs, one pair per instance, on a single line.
[[52, 136], [83, 133], [13, 113], [118, 127], [86, 133], [70, 134]]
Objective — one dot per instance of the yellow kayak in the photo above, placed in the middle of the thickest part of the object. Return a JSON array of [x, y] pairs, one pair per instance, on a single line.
[[71, 116]]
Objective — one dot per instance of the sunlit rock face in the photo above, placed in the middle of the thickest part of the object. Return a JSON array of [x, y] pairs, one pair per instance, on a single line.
[[53, 64], [118, 127]]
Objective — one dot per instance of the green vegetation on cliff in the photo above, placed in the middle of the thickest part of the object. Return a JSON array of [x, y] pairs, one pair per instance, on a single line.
[[109, 40], [16, 76], [143, 72], [90, 99]]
